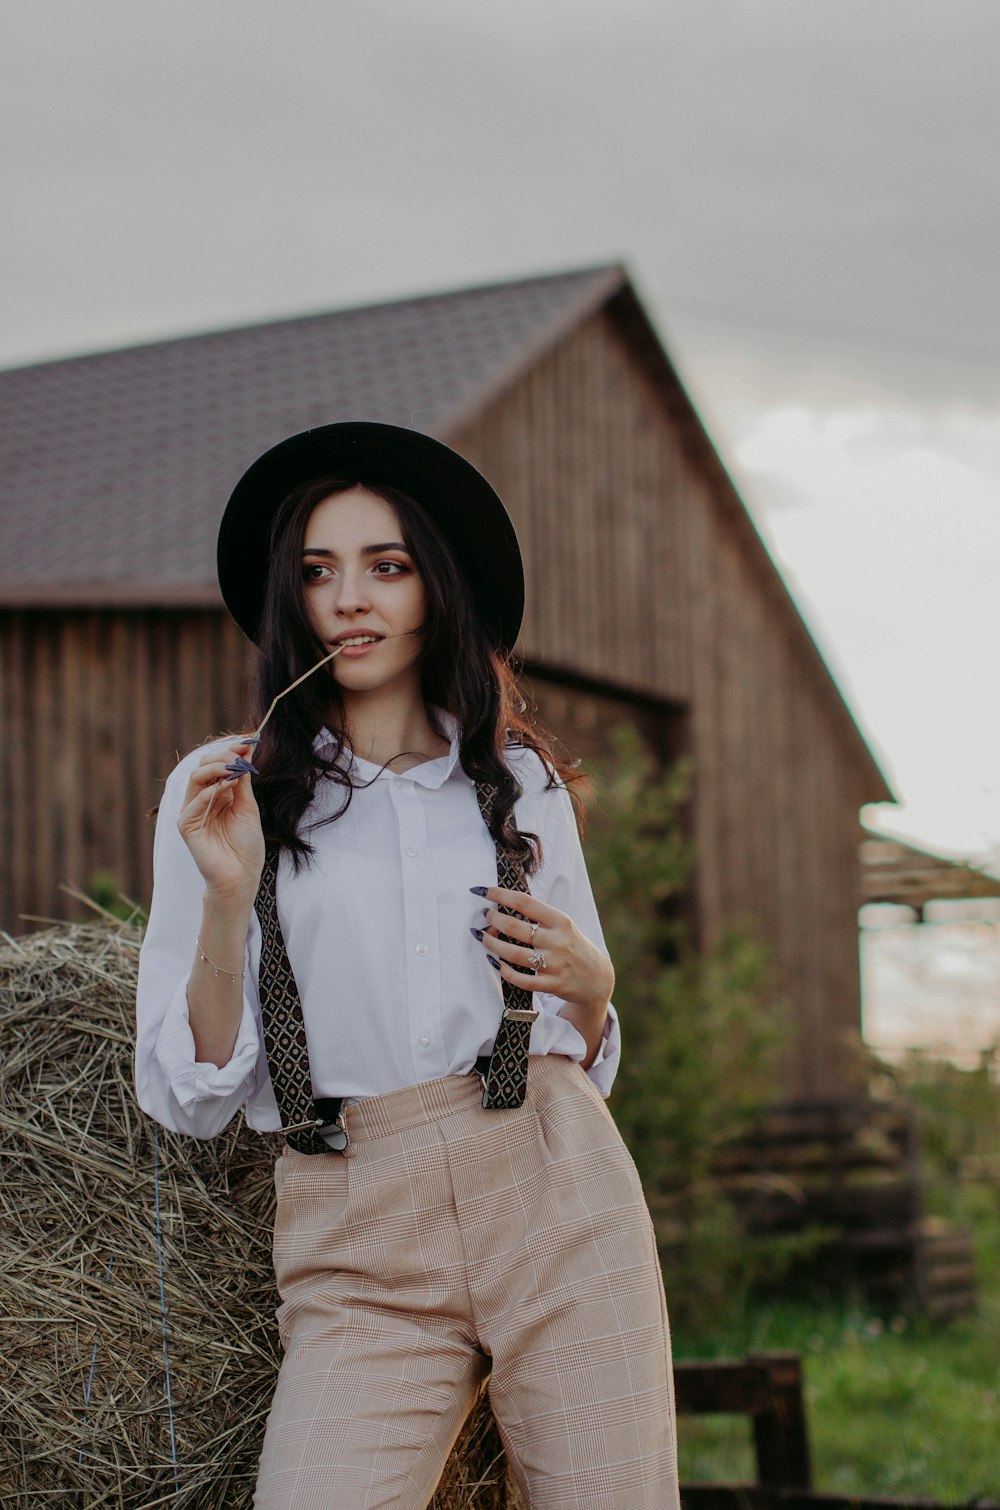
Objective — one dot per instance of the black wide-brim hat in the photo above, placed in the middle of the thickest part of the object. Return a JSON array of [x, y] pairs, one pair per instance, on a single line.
[[460, 501]]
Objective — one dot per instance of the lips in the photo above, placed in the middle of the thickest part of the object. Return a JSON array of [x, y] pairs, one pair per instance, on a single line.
[[353, 647]]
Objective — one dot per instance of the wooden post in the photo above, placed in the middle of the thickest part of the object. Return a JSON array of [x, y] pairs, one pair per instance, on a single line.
[[780, 1432], [767, 1387]]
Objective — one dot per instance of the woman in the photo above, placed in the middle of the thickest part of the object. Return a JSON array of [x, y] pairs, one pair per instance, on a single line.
[[346, 945]]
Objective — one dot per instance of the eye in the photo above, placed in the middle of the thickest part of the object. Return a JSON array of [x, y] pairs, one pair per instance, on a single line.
[[313, 571], [389, 568]]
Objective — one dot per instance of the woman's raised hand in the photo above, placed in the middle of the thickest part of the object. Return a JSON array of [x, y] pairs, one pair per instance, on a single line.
[[539, 948], [540, 939], [220, 822]]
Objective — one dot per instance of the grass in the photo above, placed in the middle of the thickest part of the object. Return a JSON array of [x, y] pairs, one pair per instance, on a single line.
[[897, 1405]]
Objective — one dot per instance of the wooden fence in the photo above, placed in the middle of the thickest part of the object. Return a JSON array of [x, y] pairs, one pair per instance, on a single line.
[[852, 1169], [768, 1387]]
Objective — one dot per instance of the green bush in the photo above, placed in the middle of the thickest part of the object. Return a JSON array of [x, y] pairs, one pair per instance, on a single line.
[[104, 891], [959, 1115], [702, 1028]]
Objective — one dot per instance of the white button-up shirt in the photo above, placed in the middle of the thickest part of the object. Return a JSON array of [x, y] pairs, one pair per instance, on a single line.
[[394, 988]]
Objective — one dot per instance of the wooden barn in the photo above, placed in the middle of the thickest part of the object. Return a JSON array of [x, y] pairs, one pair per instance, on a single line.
[[651, 598]]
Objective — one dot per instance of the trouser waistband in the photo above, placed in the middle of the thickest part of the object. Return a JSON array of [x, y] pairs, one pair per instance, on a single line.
[[380, 1116]]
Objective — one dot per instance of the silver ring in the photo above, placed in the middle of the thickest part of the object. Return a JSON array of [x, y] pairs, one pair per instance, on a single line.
[[536, 961]]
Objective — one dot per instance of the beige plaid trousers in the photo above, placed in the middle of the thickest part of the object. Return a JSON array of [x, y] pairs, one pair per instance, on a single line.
[[450, 1242]]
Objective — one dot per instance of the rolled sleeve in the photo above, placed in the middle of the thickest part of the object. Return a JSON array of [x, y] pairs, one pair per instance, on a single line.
[[193, 1080], [605, 1066], [172, 1085]]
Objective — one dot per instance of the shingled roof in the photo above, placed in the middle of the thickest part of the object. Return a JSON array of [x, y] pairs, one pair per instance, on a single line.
[[115, 468]]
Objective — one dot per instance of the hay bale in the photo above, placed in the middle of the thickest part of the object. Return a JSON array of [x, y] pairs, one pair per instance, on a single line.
[[136, 1290]]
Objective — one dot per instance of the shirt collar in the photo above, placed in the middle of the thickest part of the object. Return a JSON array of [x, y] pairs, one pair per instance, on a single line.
[[430, 773]]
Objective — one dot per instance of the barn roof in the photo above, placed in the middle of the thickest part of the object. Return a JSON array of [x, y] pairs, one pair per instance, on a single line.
[[894, 871], [114, 467]]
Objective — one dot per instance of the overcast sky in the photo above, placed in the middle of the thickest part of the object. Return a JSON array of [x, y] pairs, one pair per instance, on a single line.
[[805, 191]]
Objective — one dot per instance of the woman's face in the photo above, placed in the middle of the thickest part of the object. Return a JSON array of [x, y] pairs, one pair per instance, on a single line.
[[360, 582]]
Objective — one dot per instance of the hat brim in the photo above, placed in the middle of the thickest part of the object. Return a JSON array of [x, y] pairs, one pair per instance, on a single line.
[[457, 497]]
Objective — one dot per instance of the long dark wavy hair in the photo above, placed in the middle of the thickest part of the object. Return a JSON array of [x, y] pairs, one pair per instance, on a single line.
[[462, 671]]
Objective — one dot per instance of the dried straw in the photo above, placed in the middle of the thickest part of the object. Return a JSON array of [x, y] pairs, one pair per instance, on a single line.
[[107, 1396], [260, 727]]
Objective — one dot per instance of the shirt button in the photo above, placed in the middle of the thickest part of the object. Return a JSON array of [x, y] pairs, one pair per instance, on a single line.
[[409, 850], [425, 1043], [421, 948]]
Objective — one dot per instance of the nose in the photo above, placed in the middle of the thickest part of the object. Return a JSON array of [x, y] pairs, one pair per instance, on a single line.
[[352, 597]]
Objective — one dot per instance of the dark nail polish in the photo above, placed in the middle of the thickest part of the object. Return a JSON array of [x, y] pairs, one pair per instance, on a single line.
[[494, 962], [487, 911], [243, 766], [251, 739], [234, 777], [479, 891], [477, 933]]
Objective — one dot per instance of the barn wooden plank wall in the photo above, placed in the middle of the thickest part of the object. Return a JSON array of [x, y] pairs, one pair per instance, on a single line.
[[100, 706], [636, 579]]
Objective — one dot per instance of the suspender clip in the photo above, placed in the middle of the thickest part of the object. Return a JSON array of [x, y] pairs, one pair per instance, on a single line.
[[334, 1134], [328, 1127], [309, 1126]]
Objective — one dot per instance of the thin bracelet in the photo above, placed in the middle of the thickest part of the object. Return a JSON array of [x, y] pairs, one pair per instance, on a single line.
[[231, 973]]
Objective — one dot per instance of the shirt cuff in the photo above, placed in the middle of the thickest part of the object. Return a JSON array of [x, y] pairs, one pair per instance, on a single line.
[[192, 1080], [605, 1066]]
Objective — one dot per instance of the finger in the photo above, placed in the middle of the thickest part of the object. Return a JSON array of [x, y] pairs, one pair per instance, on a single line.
[[241, 766], [221, 798], [244, 746], [204, 800], [522, 903], [516, 957], [222, 786], [209, 773], [219, 769], [214, 800], [538, 982], [217, 796], [225, 799], [515, 954], [241, 794], [518, 929]]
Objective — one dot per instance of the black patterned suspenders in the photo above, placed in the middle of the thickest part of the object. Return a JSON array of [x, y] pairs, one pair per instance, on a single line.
[[314, 1126], [505, 1076], [285, 1031]]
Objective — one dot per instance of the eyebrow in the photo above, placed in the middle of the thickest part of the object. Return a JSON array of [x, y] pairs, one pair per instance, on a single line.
[[366, 550]]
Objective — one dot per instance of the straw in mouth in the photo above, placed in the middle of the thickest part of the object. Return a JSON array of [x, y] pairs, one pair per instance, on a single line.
[[241, 767]]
